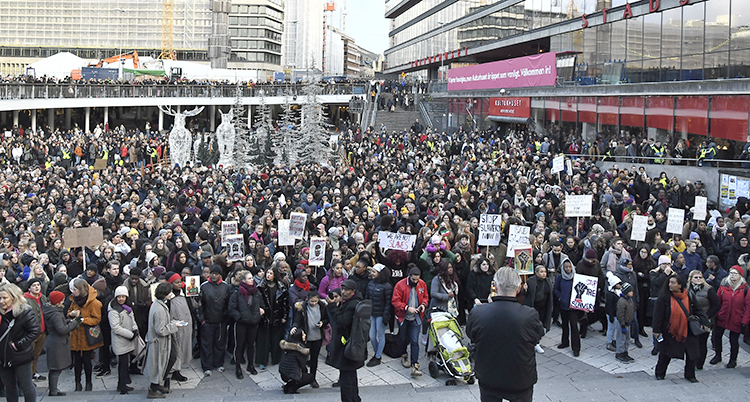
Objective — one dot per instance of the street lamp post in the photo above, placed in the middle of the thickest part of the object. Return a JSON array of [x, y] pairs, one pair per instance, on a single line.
[[119, 57], [442, 52]]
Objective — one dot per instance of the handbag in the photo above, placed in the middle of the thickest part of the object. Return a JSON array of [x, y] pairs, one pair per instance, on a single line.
[[94, 334], [694, 322], [327, 334]]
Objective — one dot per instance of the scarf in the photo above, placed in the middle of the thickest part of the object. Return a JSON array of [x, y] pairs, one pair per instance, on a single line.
[[81, 300], [127, 308], [568, 276], [305, 286], [678, 322], [247, 290], [90, 279]]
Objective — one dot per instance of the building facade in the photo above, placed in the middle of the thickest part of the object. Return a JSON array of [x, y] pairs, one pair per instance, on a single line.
[[244, 34], [661, 56], [303, 34]]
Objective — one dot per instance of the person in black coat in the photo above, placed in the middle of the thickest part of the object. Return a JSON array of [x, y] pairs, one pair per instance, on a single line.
[[246, 307], [505, 334], [538, 295], [342, 311], [17, 347], [671, 326], [293, 364], [310, 317]]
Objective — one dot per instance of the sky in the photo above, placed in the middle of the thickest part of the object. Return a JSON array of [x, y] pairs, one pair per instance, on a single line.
[[366, 24]]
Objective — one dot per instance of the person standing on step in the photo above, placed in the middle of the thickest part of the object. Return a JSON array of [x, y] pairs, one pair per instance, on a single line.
[[410, 301], [85, 304], [625, 317], [246, 307], [342, 312], [58, 339], [213, 316]]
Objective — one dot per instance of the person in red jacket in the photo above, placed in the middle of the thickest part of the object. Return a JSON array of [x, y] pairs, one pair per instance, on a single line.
[[410, 300], [734, 314]]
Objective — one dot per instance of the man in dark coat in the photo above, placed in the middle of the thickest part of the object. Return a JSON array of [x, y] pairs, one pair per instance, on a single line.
[[505, 334], [342, 312]]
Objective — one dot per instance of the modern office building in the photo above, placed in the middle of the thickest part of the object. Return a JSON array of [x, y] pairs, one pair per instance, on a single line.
[[303, 34], [670, 69], [242, 34]]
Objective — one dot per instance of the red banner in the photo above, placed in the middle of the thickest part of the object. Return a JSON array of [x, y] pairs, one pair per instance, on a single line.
[[510, 107], [729, 117]]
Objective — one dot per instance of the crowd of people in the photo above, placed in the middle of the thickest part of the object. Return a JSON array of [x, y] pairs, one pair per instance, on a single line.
[[134, 294]]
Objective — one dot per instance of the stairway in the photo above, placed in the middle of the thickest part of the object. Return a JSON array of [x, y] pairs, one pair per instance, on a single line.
[[399, 120]]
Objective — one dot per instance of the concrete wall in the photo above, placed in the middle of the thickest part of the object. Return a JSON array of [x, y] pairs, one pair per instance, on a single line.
[[708, 175]]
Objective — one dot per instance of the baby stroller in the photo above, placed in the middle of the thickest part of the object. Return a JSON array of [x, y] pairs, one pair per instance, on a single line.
[[445, 350]]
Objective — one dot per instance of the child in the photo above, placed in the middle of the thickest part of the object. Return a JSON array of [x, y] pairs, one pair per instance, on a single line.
[[625, 316], [293, 364], [610, 307]]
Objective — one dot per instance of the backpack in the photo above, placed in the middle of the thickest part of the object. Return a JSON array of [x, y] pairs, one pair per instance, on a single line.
[[356, 345]]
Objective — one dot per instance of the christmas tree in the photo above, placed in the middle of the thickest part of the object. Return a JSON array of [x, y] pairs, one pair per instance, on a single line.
[[288, 135], [262, 146], [314, 134], [242, 145]]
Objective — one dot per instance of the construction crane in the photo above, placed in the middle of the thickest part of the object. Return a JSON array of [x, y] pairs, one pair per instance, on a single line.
[[114, 59], [167, 30]]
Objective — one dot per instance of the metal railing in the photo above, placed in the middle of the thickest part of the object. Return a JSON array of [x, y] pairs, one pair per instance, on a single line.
[[14, 91], [724, 163]]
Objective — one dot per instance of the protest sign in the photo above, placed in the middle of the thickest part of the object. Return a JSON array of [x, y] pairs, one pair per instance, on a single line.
[[83, 237], [701, 206], [583, 295], [578, 205], [100, 164], [675, 220], [490, 229], [558, 164], [396, 241], [523, 259], [517, 235], [234, 244], [284, 239], [42, 218], [317, 251], [297, 225], [192, 285], [228, 228], [640, 226]]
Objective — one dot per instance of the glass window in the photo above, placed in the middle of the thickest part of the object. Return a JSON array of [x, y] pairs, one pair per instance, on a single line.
[[692, 42], [717, 25], [740, 27], [619, 40], [671, 36], [603, 43], [715, 65], [740, 67]]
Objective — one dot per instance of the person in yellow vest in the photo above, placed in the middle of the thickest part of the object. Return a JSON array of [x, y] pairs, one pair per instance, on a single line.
[[706, 153], [66, 157], [658, 152], [153, 154]]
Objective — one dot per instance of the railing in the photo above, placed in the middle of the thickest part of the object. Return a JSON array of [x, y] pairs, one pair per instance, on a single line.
[[13, 91], [724, 163], [425, 114]]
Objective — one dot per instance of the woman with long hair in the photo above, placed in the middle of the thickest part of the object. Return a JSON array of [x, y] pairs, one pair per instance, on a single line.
[[671, 329], [161, 356], [444, 289], [310, 317], [84, 303], [276, 299], [21, 329], [380, 291], [246, 308]]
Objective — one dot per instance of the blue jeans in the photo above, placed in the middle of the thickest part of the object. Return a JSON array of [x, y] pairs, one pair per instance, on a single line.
[[410, 329], [377, 335], [611, 328]]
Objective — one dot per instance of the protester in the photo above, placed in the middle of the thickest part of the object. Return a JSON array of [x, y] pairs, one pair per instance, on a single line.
[[124, 336], [58, 339], [671, 329], [213, 316], [733, 314], [342, 311], [160, 356], [83, 340], [310, 318], [410, 300], [706, 298], [246, 308], [16, 366]]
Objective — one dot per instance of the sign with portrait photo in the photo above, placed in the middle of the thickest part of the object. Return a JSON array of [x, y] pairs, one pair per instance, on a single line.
[[192, 285], [234, 244], [317, 251]]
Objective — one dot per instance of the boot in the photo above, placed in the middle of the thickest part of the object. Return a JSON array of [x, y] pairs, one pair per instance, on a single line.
[[79, 387], [732, 364], [716, 359], [153, 394], [405, 361], [177, 376], [251, 369], [415, 370], [611, 347], [89, 387], [238, 372], [622, 357], [638, 344]]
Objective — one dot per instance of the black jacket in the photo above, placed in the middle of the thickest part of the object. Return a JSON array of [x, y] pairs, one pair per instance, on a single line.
[[277, 305], [214, 302], [343, 317], [479, 286], [531, 293], [670, 346], [300, 316], [505, 334], [246, 312], [26, 328], [380, 294]]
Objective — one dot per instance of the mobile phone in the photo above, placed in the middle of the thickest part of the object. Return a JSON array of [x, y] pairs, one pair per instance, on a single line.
[[660, 339]]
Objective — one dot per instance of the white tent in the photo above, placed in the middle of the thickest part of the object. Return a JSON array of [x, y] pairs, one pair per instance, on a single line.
[[59, 65]]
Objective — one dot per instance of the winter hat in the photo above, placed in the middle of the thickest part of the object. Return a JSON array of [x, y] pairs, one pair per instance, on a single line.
[[694, 236], [158, 271], [436, 239], [739, 225], [150, 256], [333, 232], [100, 285], [172, 277], [738, 269], [120, 291], [349, 284], [378, 267], [56, 297], [279, 257], [215, 269], [626, 287], [591, 254], [612, 280], [664, 259], [415, 271]]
